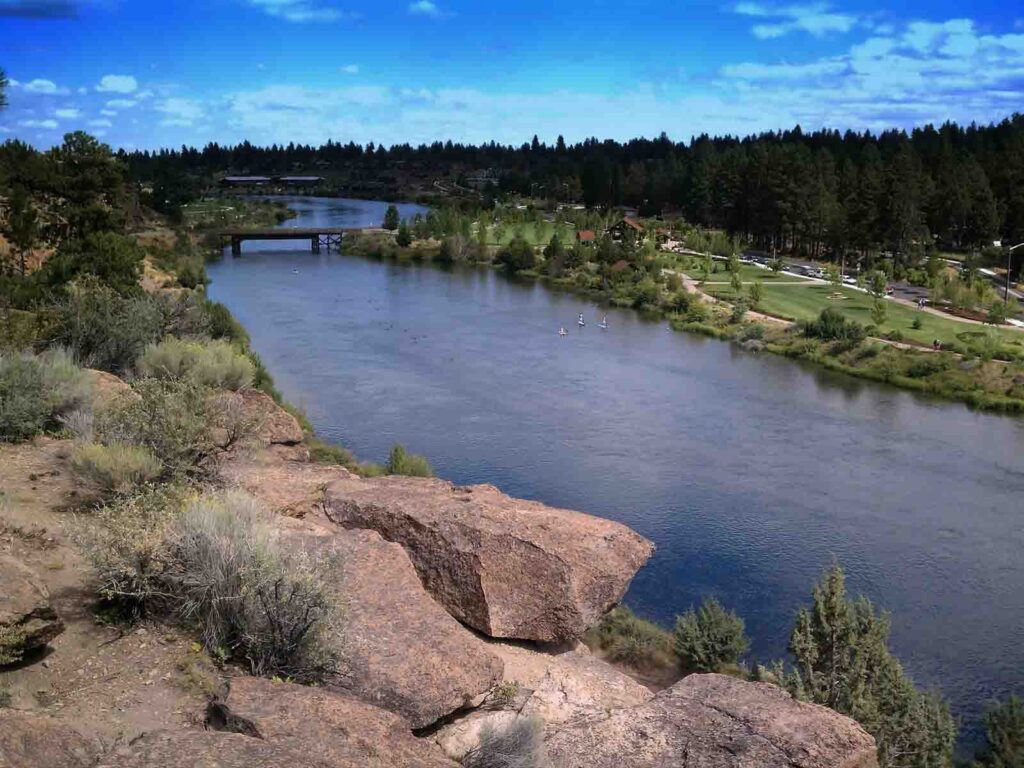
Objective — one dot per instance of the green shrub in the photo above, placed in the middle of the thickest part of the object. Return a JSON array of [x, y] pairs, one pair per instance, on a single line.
[[171, 418], [116, 468], [247, 597], [739, 311], [222, 324], [24, 408], [518, 745], [125, 542], [210, 562], [752, 331], [832, 325], [36, 391], [400, 462], [628, 639], [215, 364], [326, 453], [106, 330], [192, 273], [710, 638]]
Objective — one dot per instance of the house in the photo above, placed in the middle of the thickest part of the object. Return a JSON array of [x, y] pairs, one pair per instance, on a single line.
[[627, 225], [586, 237]]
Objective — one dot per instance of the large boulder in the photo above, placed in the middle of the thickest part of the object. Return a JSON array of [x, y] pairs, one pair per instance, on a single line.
[[401, 650], [29, 740], [324, 726], [27, 619], [507, 567], [715, 721]]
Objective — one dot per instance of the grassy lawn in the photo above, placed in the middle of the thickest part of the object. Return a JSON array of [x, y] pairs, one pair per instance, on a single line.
[[748, 274], [799, 302], [536, 236]]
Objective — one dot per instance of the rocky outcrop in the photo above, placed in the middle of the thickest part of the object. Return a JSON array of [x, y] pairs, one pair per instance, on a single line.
[[552, 686], [714, 721], [324, 726], [255, 415], [401, 650], [30, 740], [27, 620], [507, 567]]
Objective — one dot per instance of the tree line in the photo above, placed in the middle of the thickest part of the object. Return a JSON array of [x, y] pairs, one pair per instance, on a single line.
[[821, 193]]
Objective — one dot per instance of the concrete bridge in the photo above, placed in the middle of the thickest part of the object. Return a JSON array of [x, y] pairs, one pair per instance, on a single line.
[[318, 237]]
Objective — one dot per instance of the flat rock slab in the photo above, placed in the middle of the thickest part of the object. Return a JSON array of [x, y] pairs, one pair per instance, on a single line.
[[507, 567], [714, 721], [205, 749], [552, 686], [566, 685], [27, 619], [291, 488], [402, 651], [29, 740], [329, 727]]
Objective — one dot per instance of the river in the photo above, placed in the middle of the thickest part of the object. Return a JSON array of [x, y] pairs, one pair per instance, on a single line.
[[751, 473]]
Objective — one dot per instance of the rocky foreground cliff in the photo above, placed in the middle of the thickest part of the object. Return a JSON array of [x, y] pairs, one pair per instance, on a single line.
[[463, 610]]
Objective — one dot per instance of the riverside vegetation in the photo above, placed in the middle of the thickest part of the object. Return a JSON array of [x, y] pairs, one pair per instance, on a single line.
[[982, 366], [166, 545]]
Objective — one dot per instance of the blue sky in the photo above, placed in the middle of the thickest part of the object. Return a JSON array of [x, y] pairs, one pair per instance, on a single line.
[[145, 74]]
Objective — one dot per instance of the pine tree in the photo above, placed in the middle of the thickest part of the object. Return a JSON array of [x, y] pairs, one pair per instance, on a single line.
[[843, 661]]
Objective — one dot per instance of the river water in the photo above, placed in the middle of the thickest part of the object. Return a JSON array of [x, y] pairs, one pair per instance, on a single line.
[[751, 473]]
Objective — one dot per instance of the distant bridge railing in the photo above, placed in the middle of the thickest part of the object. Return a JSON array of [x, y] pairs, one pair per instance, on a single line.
[[318, 237]]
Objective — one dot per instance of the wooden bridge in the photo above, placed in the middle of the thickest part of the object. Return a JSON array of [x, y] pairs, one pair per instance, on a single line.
[[318, 237]]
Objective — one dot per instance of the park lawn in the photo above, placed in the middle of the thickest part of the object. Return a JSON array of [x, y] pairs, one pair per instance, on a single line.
[[805, 302], [535, 236], [748, 274]]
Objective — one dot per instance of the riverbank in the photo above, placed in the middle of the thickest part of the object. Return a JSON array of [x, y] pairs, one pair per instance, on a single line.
[[970, 372]]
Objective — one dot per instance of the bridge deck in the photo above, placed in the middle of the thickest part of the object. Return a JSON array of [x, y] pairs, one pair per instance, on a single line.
[[286, 233], [318, 236]]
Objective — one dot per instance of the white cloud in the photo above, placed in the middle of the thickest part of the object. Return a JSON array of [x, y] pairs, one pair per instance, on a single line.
[[46, 87], [350, 69], [108, 112], [100, 124], [47, 124], [920, 72], [179, 112], [300, 11], [117, 84], [121, 103], [67, 114], [814, 18], [426, 8]]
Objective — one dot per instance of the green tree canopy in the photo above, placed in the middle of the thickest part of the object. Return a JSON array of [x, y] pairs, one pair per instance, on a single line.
[[709, 638]]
